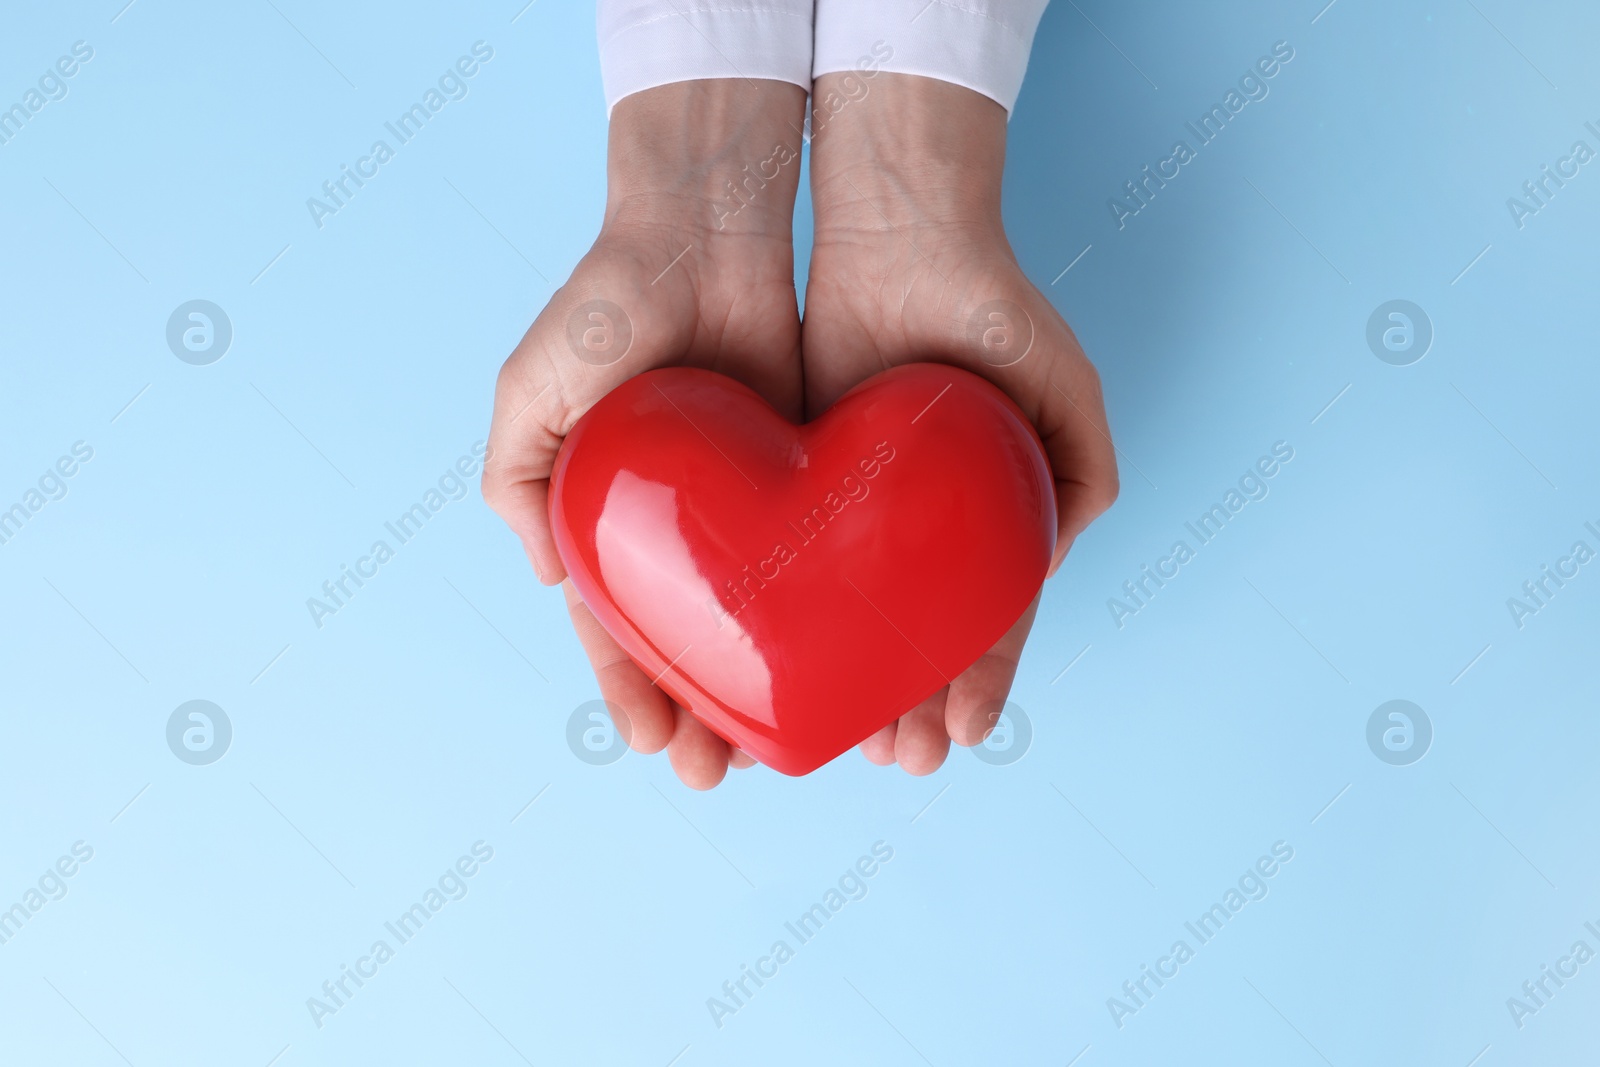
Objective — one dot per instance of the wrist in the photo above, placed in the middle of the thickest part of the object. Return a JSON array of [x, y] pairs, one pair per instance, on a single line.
[[915, 151], [720, 156]]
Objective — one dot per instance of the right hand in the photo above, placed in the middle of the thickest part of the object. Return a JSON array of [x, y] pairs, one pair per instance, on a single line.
[[699, 286]]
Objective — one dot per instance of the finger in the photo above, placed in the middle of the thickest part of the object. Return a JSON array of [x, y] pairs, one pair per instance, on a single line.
[[699, 757], [978, 695], [522, 451], [879, 748], [1077, 440], [582, 345], [1054, 383], [640, 711], [920, 742], [739, 759], [523, 505], [1059, 389]]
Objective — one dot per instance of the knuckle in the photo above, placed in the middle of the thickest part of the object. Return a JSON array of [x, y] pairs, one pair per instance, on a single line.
[[494, 488], [493, 497], [1091, 380], [1107, 492]]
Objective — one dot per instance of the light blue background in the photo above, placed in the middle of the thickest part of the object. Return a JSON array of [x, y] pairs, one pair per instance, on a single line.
[[428, 712]]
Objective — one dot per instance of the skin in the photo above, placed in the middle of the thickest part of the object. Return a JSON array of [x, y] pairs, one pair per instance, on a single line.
[[908, 244]]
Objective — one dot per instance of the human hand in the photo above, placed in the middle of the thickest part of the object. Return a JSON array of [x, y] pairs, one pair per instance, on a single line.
[[909, 251], [700, 279]]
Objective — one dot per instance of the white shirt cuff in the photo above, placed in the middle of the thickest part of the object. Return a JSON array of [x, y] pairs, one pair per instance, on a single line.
[[646, 43], [980, 44]]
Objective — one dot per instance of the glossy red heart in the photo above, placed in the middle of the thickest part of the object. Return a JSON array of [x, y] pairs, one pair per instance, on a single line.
[[798, 588]]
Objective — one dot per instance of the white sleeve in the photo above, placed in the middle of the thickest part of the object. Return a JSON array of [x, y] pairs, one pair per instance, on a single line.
[[646, 43], [981, 44]]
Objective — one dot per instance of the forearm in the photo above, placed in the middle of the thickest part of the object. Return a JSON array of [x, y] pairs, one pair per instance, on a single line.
[[720, 154], [910, 149]]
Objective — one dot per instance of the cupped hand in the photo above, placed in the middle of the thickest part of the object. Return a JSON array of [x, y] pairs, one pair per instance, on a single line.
[[910, 263], [681, 275]]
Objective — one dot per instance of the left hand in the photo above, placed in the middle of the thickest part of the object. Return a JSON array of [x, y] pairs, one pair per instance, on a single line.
[[909, 246]]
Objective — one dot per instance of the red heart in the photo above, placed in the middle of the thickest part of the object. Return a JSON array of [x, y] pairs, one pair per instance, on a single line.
[[798, 588]]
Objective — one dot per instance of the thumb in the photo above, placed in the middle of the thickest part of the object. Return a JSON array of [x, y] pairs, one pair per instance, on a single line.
[[580, 348], [521, 454]]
